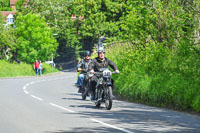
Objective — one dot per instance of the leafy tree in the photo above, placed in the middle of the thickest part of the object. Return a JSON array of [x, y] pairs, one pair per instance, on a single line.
[[34, 39], [58, 16], [69, 43], [4, 3], [101, 17]]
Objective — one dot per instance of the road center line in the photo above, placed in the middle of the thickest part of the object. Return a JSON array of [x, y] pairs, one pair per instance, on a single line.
[[37, 98], [26, 92], [71, 111], [108, 125]]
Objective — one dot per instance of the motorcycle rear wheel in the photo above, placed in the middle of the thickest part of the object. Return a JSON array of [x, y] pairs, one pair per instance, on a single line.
[[108, 97]]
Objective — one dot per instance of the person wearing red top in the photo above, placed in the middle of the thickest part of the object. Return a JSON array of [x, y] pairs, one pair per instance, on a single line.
[[36, 66]]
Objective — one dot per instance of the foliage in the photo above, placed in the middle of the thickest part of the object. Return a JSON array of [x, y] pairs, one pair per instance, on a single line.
[[158, 75], [4, 3], [19, 5], [159, 60], [100, 18], [58, 16], [161, 66], [5, 9], [34, 39], [7, 39], [15, 69]]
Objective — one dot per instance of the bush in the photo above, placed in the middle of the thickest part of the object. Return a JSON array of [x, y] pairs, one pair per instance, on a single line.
[[158, 75]]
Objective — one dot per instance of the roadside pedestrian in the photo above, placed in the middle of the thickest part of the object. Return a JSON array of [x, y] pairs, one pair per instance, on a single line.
[[36, 67], [40, 68]]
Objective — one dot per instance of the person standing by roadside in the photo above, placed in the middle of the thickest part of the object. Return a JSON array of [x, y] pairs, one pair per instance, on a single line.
[[36, 67], [40, 68]]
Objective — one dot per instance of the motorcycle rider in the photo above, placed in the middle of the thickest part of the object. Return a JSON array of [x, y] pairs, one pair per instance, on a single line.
[[99, 62], [83, 66]]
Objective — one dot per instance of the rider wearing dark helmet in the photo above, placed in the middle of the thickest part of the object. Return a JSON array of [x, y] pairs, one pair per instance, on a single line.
[[99, 62], [83, 67]]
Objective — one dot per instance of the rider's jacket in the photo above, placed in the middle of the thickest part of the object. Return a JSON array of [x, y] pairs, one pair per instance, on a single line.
[[97, 63], [84, 65]]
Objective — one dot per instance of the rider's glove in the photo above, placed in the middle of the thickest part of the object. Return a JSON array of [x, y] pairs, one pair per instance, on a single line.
[[116, 71]]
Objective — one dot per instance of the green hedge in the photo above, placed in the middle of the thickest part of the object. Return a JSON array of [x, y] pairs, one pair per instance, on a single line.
[[156, 75]]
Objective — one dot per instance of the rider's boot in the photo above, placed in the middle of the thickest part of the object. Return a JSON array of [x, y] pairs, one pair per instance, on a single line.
[[92, 96], [79, 89]]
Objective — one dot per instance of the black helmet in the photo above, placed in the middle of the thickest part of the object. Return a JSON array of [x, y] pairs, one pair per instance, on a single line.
[[87, 53]]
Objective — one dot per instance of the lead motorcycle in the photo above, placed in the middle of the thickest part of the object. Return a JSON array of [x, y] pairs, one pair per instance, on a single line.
[[103, 91]]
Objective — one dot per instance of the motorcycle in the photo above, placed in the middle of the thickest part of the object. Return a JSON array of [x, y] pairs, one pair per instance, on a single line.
[[103, 91], [85, 84]]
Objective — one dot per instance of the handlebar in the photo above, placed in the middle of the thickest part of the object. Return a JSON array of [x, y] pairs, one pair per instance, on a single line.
[[100, 73]]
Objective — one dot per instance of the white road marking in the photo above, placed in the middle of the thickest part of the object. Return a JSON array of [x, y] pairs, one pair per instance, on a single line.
[[24, 87], [108, 125], [71, 111], [37, 98], [26, 92]]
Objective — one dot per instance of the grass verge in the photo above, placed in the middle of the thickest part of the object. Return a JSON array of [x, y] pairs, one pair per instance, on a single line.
[[8, 69]]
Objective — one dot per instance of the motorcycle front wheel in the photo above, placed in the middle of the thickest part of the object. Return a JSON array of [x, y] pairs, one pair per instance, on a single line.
[[108, 97]]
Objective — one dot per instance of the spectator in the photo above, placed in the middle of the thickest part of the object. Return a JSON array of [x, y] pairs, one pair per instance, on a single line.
[[36, 67], [40, 68]]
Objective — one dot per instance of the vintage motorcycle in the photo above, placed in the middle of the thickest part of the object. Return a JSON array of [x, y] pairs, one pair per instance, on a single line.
[[85, 86], [103, 91]]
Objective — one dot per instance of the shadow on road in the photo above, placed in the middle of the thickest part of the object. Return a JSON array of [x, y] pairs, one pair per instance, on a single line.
[[133, 117], [89, 130], [139, 118]]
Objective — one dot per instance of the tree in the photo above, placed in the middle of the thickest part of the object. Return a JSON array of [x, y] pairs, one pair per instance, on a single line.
[[7, 40], [34, 39], [101, 18], [57, 14]]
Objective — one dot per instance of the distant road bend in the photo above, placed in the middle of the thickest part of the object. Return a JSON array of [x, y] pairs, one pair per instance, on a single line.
[[51, 104]]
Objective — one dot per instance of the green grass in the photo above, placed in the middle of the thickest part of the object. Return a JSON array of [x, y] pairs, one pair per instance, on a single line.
[[8, 69]]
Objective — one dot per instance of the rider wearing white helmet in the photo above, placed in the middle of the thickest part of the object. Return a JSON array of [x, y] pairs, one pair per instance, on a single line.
[[99, 62]]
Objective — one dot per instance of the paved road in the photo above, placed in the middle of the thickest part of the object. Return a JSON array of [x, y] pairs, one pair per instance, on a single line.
[[50, 104]]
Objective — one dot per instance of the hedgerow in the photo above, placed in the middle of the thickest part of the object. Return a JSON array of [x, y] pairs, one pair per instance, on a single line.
[[157, 75]]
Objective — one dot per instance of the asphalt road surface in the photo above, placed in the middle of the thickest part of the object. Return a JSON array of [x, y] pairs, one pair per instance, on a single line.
[[51, 104]]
